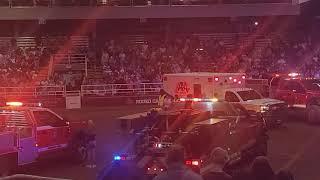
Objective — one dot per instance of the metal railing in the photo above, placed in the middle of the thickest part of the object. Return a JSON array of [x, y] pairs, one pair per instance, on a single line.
[[107, 90], [121, 89], [68, 61], [52, 3], [35, 91]]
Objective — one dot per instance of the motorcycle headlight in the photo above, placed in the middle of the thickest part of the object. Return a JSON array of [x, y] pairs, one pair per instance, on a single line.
[[264, 108]]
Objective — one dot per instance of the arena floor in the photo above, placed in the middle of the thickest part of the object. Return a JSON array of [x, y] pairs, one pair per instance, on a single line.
[[295, 146]]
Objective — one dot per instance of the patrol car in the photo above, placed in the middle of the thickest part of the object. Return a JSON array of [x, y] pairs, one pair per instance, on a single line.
[[31, 133], [228, 125]]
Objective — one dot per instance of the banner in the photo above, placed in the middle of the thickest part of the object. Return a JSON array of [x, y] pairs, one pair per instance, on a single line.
[[73, 102], [147, 101]]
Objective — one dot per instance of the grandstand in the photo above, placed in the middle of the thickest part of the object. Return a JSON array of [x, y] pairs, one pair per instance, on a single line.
[[127, 57]]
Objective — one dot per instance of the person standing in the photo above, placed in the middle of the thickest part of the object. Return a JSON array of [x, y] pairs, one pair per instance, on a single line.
[[91, 145], [161, 98]]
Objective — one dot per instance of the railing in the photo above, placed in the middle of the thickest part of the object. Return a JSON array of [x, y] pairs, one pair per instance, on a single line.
[[121, 89], [32, 91], [77, 62], [51, 3], [108, 90]]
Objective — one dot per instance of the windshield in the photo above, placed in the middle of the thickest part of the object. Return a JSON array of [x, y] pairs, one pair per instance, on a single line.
[[249, 95], [312, 84]]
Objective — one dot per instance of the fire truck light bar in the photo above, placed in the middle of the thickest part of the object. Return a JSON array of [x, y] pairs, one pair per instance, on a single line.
[[14, 103], [293, 74]]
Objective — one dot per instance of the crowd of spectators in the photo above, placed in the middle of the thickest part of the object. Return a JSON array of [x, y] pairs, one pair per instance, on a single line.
[[218, 168], [14, 3], [125, 63], [20, 66]]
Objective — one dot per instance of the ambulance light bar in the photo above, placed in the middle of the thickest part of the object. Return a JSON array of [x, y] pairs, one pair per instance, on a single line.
[[14, 103], [198, 99]]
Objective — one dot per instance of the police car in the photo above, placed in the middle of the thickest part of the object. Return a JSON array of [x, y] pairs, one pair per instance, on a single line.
[[29, 133]]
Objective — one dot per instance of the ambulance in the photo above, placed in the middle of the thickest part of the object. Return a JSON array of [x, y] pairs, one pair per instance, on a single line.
[[28, 134], [230, 87]]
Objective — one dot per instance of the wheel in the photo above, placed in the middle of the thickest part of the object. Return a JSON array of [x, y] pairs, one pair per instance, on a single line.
[[313, 114]]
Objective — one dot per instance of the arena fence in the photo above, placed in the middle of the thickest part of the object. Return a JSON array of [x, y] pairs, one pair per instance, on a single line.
[[32, 91], [108, 94], [121, 89]]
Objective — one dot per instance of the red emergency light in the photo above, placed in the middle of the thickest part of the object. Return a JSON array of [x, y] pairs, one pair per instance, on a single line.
[[216, 79], [235, 80], [14, 103], [243, 77]]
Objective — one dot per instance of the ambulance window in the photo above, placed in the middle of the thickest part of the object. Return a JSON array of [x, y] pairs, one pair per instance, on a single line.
[[231, 97], [46, 118]]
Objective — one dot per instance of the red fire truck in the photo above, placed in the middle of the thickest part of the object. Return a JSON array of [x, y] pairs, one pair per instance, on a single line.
[[30, 133], [300, 93]]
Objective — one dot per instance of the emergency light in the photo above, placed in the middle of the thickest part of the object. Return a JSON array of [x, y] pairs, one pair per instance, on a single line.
[[123, 157], [117, 158], [293, 74], [14, 103]]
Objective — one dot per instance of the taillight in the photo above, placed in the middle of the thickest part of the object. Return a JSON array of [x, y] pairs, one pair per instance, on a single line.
[[192, 162], [195, 163]]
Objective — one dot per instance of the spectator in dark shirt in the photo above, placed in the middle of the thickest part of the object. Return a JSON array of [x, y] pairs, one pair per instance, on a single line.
[[262, 170], [284, 175], [218, 159]]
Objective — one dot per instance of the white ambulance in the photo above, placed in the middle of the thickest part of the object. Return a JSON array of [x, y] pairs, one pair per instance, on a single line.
[[230, 87]]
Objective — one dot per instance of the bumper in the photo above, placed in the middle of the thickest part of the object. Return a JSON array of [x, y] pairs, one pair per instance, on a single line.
[[275, 117]]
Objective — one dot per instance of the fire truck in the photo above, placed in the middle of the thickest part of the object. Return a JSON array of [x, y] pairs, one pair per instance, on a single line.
[[32, 133], [230, 87], [301, 94], [208, 124]]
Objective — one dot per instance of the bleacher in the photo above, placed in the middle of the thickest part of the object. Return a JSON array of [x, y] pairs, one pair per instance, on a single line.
[[230, 39]]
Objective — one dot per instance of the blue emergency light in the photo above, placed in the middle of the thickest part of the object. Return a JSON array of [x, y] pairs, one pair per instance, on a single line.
[[117, 158]]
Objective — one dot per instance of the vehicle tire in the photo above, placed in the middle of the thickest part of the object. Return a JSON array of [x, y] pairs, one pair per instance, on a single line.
[[313, 114]]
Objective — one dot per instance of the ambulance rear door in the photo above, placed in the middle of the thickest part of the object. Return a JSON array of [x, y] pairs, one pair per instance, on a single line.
[[178, 84]]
